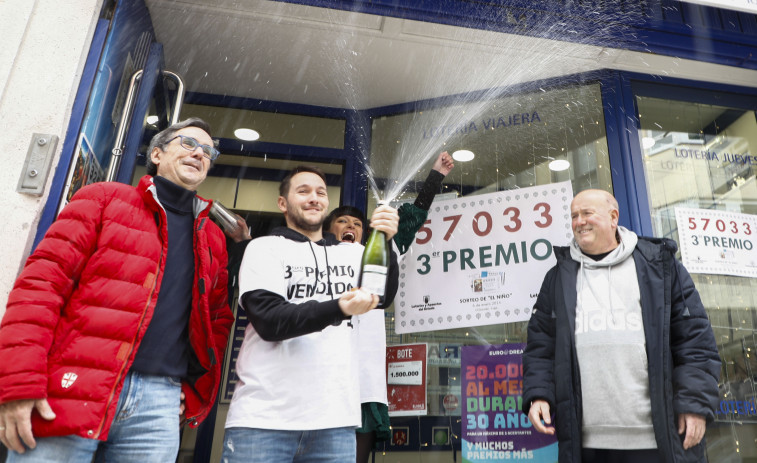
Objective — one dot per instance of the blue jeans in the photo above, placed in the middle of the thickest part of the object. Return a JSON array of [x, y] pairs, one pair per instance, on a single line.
[[250, 445], [146, 429]]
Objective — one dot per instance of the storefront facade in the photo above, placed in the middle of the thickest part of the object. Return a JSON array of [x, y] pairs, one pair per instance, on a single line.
[[654, 102]]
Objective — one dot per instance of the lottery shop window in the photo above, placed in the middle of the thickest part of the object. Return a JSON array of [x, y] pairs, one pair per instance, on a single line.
[[700, 161], [520, 140]]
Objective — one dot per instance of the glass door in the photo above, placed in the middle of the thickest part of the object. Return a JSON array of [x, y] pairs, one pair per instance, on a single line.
[[130, 85], [699, 155], [523, 139]]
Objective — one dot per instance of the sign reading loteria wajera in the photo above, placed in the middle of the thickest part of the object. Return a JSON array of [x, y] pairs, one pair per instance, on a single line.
[[480, 260]]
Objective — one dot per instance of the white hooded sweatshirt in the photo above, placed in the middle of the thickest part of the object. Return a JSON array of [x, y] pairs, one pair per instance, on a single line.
[[611, 350]]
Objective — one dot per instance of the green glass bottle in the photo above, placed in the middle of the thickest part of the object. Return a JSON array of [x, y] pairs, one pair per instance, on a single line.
[[375, 265]]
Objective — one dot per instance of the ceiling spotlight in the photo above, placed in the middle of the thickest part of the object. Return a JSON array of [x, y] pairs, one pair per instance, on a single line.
[[463, 155], [559, 165], [647, 142], [152, 119], [246, 134]]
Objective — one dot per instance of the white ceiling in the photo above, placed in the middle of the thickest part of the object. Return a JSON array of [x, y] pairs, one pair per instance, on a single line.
[[282, 52], [292, 53]]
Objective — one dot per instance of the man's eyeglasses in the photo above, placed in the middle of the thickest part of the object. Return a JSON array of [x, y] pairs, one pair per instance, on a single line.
[[191, 144]]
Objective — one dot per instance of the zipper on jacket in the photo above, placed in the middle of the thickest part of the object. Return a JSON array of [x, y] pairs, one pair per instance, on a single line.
[[139, 327], [201, 290]]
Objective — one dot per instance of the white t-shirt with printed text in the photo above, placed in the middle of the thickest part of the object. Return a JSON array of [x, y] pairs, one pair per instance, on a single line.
[[307, 382]]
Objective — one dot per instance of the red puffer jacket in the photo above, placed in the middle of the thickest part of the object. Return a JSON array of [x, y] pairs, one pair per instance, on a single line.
[[85, 297]]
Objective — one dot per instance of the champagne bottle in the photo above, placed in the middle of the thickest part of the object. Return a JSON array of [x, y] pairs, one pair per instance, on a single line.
[[374, 267]]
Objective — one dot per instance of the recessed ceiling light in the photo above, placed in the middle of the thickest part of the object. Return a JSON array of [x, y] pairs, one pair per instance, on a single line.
[[152, 119], [246, 134], [463, 155], [559, 165]]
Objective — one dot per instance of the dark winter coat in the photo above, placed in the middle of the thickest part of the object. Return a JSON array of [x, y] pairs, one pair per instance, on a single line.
[[683, 362]]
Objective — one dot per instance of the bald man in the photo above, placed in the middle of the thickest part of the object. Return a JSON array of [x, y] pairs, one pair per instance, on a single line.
[[621, 361]]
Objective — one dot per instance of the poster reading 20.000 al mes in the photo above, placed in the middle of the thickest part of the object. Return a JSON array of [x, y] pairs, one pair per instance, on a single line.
[[493, 427], [480, 260]]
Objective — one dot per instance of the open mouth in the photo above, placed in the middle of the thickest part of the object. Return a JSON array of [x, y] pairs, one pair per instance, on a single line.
[[348, 237]]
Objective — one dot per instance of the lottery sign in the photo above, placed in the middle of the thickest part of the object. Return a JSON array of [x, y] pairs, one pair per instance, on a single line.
[[480, 260], [717, 242]]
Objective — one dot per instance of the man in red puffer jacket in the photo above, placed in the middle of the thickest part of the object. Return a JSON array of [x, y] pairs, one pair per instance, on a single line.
[[111, 330]]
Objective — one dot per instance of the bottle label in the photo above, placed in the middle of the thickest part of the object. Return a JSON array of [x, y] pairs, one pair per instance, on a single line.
[[374, 279]]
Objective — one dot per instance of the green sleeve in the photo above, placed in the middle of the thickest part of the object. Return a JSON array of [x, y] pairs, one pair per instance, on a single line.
[[411, 219], [412, 216]]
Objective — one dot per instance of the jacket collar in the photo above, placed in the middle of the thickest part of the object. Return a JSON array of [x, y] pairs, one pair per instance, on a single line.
[[653, 248], [149, 193], [650, 249]]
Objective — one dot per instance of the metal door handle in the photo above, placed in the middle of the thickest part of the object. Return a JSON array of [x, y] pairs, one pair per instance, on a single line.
[[117, 152]]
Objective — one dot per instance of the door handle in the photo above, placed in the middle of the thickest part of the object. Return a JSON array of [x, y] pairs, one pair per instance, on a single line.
[[123, 124]]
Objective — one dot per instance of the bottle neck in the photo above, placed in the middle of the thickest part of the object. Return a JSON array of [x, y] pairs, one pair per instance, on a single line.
[[376, 234]]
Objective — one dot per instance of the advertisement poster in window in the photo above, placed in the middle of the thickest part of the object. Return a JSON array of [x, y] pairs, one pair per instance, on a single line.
[[84, 170], [480, 260], [406, 379], [717, 242], [493, 427]]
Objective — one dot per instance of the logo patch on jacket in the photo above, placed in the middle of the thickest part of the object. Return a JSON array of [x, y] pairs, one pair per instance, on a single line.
[[68, 380]]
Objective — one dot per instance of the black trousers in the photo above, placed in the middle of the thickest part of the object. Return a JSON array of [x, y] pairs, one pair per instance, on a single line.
[[620, 456]]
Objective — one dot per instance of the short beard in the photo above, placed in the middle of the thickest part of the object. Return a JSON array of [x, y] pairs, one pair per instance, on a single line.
[[298, 222]]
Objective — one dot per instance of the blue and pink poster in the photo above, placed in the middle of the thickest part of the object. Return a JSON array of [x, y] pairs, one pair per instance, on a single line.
[[493, 427]]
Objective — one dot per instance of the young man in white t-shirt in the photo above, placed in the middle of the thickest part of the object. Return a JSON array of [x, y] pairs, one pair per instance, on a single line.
[[297, 398]]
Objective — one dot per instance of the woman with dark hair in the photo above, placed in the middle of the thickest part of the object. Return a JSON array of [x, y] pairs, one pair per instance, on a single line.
[[347, 223]]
